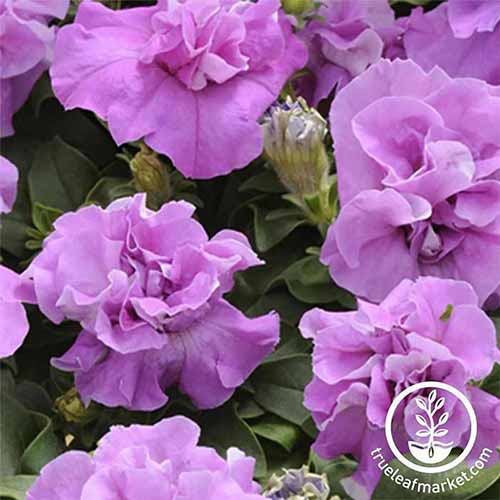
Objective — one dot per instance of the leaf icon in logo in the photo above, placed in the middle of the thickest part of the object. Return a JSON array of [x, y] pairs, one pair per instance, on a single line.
[[439, 404], [432, 396], [421, 403], [443, 419], [440, 433], [421, 421], [424, 433]]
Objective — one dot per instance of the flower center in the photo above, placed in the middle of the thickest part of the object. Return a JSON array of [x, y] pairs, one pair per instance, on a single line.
[[198, 43]]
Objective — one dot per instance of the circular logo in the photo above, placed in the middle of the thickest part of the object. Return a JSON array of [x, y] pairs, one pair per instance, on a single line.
[[432, 429]]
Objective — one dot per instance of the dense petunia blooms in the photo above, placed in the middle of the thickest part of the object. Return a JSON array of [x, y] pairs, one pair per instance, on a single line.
[[8, 185], [428, 330], [459, 36], [418, 158], [344, 38], [147, 288], [26, 44], [158, 462], [191, 78]]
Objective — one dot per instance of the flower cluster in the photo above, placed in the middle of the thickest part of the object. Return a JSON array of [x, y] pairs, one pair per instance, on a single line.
[[417, 160], [147, 288], [219, 62], [159, 462], [431, 329], [26, 44]]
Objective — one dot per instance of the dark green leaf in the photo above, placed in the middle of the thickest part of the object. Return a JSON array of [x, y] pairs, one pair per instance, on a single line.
[[269, 231], [265, 182], [223, 428], [309, 281], [278, 430], [61, 176], [491, 383], [28, 441]]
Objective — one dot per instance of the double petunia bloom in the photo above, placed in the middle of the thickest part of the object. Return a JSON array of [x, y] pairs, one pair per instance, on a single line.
[[192, 78], [147, 288], [429, 330], [158, 462], [418, 157], [26, 44]]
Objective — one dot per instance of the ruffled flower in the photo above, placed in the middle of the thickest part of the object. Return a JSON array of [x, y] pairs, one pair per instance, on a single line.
[[8, 185], [14, 326], [14, 289], [428, 330], [158, 462], [458, 36], [418, 157], [26, 43], [191, 78], [147, 288], [345, 37]]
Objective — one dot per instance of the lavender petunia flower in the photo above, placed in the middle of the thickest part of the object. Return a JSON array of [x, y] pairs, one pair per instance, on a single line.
[[428, 330], [191, 78], [26, 44], [418, 157], [14, 289], [8, 185], [459, 36], [14, 326], [147, 288], [158, 462], [344, 38]]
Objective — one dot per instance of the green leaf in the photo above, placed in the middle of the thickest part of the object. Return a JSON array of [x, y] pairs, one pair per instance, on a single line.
[[61, 176], [387, 488], [309, 281], [44, 218], [491, 383], [279, 387], [265, 182], [271, 228], [15, 487], [28, 440], [109, 189], [223, 428], [277, 430]]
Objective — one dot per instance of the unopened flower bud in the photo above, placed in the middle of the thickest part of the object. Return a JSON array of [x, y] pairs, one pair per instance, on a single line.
[[298, 484], [297, 7], [294, 137], [71, 407], [151, 175]]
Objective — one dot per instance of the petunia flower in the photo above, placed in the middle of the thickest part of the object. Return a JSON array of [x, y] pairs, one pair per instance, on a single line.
[[26, 43], [147, 288], [458, 36], [157, 462], [8, 185], [14, 289], [429, 330], [191, 78], [417, 158], [344, 38]]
